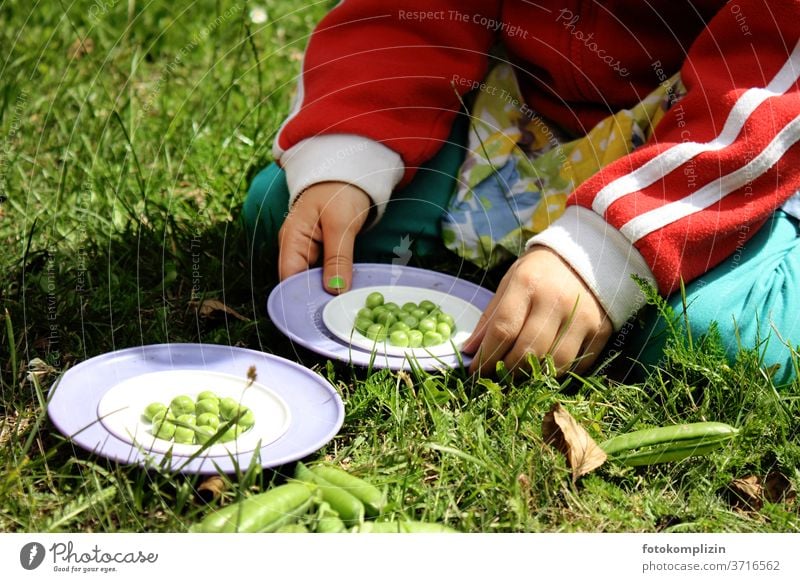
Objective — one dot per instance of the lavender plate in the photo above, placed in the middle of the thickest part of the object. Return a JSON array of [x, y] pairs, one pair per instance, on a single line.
[[297, 304], [299, 409]]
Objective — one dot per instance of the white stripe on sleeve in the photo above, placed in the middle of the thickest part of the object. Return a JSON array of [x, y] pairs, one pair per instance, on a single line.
[[676, 156], [715, 191]]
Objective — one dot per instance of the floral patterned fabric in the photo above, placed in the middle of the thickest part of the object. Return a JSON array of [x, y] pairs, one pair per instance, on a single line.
[[519, 169]]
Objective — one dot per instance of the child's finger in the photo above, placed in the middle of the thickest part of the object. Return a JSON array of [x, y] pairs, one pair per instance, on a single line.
[[506, 323], [337, 268], [298, 252]]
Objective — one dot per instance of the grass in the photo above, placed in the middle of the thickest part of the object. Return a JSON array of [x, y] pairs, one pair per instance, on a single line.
[[123, 168]]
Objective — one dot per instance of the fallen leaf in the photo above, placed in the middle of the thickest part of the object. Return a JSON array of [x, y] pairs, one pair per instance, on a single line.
[[80, 48], [778, 488], [746, 493], [37, 370], [561, 431], [211, 307], [211, 488]]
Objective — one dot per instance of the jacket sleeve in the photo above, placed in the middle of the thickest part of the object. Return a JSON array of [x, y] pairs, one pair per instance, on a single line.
[[721, 161], [377, 93]]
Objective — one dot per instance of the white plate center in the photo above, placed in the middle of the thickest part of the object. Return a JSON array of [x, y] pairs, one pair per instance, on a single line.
[[121, 407], [339, 316]]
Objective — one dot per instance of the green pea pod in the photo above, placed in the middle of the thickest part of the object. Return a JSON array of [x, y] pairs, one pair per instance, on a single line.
[[292, 528], [668, 443], [349, 507], [374, 501], [408, 526], [265, 512], [330, 523]]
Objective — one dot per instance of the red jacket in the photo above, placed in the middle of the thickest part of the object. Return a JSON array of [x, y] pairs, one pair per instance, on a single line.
[[376, 100]]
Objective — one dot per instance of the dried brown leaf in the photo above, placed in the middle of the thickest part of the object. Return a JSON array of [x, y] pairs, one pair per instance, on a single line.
[[778, 488], [211, 488], [212, 307], [560, 430], [746, 493], [80, 48]]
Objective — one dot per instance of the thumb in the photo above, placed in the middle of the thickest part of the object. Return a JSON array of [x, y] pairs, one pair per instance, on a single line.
[[337, 267]]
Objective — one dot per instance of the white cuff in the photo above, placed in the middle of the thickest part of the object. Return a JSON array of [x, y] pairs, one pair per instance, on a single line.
[[602, 256], [353, 159]]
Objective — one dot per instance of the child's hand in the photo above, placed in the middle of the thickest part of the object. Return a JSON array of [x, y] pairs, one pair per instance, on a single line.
[[534, 312], [323, 221]]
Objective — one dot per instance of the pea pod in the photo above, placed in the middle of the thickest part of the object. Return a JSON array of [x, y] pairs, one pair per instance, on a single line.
[[668, 443], [408, 526], [372, 498], [330, 523], [292, 528], [265, 512], [349, 507]]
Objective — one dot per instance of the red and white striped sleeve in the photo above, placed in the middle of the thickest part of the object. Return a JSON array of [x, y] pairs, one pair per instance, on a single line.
[[375, 99], [721, 161]]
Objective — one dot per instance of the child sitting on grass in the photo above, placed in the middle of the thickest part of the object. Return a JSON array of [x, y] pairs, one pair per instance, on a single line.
[[612, 141]]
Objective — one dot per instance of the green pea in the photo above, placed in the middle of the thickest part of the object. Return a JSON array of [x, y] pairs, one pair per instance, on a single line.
[[182, 405], [431, 338], [374, 299], [152, 409], [362, 323], [399, 326], [419, 313], [426, 325], [386, 319], [190, 419], [207, 405], [365, 312], [203, 434], [392, 306], [166, 430], [231, 434], [228, 408], [163, 415], [428, 306], [446, 318], [376, 332], [410, 306], [184, 435], [444, 330], [247, 419], [207, 395], [208, 419], [411, 321], [399, 338], [377, 311], [414, 338]]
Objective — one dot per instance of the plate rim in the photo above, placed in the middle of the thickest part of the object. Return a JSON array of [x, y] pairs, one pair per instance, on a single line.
[[379, 361], [361, 347], [203, 464]]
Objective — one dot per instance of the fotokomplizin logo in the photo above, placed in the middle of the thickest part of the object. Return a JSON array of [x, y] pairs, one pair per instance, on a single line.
[[31, 555]]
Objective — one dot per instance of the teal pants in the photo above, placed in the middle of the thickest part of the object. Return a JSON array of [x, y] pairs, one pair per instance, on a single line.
[[754, 296]]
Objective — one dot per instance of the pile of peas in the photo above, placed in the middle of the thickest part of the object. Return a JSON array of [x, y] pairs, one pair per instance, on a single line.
[[410, 326], [191, 422]]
